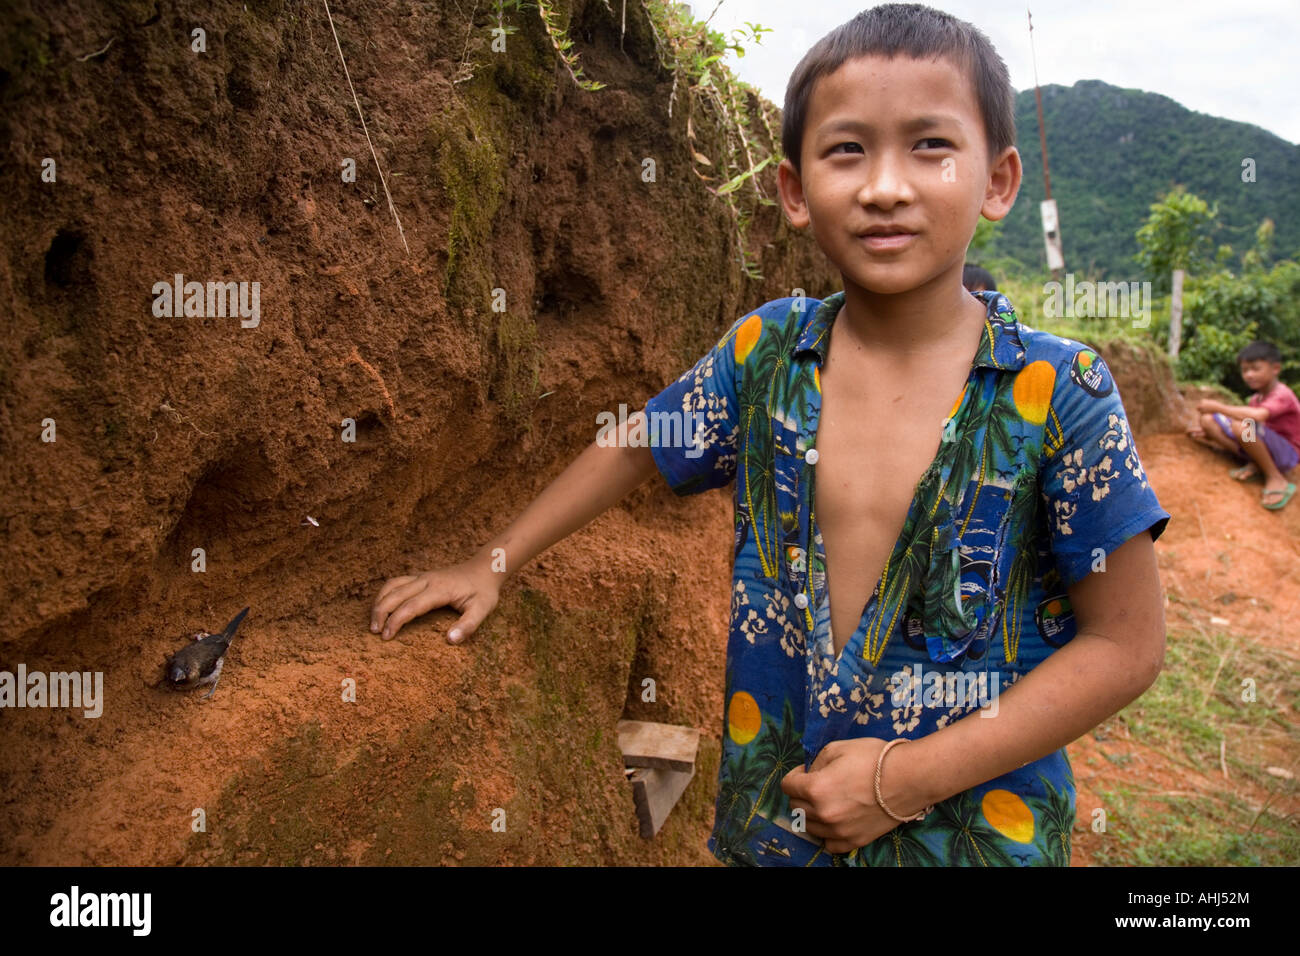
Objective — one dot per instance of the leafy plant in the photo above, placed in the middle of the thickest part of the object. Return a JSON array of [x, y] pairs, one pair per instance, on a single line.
[[563, 45], [694, 54], [1212, 353], [1175, 236], [1222, 311], [986, 234]]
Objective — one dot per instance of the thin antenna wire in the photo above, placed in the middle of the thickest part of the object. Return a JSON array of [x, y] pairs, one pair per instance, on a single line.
[[1038, 99], [391, 207], [1031, 44]]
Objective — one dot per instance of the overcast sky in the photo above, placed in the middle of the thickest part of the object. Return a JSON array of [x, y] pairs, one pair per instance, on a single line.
[[1236, 59]]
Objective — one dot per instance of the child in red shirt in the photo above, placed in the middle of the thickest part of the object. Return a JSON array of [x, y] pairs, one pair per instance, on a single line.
[[1268, 449]]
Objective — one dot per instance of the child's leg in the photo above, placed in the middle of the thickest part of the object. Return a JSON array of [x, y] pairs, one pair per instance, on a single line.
[[1271, 454], [1283, 457], [1222, 432]]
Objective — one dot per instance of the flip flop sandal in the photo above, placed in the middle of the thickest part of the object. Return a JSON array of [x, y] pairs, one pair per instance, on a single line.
[[1244, 473], [1286, 496]]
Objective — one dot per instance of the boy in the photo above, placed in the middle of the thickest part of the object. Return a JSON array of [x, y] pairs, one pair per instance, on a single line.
[[1269, 449], [1017, 555]]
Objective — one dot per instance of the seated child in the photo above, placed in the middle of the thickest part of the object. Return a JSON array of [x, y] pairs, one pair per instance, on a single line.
[[1268, 449]]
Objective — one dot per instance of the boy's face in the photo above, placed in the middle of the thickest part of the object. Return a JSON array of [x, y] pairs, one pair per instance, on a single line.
[[896, 143], [1260, 374]]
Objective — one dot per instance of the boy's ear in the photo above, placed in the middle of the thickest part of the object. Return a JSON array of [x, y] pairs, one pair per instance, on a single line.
[[792, 198], [1004, 183]]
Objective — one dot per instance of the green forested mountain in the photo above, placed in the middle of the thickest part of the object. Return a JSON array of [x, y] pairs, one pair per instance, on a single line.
[[1114, 151]]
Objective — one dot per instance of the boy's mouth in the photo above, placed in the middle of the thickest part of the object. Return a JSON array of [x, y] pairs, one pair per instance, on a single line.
[[886, 238], [886, 229]]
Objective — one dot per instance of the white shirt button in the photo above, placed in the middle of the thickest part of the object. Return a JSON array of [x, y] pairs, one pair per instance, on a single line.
[[801, 600], [811, 456]]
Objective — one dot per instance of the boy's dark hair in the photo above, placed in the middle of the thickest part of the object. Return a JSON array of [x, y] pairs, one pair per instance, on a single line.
[[913, 30], [1260, 351], [973, 276]]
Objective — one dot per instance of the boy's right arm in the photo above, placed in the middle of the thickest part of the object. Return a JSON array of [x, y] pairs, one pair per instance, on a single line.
[[595, 480]]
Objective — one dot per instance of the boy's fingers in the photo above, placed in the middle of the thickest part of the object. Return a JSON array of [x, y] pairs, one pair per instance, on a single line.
[[381, 608], [410, 600], [409, 597], [813, 824], [392, 584], [392, 596], [828, 753], [795, 784], [815, 828], [418, 603]]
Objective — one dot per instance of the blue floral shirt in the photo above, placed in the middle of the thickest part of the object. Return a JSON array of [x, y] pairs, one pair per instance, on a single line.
[[1036, 479]]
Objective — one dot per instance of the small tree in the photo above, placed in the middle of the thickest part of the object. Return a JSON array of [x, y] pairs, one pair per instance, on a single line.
[[1175, 236], [1254, 260], [986, 233]]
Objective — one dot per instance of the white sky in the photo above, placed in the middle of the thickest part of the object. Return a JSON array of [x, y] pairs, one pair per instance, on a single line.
[[1237, 60]]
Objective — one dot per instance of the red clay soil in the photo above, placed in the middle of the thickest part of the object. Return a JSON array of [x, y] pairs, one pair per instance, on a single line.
[[122, 789], [180, 433]]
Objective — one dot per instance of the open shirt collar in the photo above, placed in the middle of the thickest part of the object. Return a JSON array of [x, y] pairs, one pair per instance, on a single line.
[[1000, 346]]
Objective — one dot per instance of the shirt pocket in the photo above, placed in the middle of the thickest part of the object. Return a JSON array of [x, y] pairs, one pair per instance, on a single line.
[[962, 601]]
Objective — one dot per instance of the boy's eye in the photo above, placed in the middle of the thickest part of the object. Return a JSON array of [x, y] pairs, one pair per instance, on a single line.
[[939, 144]]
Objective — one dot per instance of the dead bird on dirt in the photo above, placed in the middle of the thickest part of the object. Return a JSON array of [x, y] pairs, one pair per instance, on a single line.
[[200, 662]]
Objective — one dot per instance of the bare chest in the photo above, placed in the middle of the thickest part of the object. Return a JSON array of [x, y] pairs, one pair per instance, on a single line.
[[875, 438]]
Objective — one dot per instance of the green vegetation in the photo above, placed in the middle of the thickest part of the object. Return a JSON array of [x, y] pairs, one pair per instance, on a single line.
[[469, 144], [1156, 829], [1223, 309], [1141, 181], [24, 45], [729, 136], [729, 152], [1113, 150], [550, 17], [468, 164], [1223, 312]]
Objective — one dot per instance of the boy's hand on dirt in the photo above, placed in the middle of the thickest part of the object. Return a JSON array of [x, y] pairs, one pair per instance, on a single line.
[[469, 590]]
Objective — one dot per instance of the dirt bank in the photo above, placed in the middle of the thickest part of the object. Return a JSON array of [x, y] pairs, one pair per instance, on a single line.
[[196, 432]]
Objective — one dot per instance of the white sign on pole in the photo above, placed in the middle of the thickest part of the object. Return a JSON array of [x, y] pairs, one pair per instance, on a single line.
[[1052, 235]]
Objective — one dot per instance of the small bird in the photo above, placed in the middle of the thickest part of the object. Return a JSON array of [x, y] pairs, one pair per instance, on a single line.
[[200, 662]]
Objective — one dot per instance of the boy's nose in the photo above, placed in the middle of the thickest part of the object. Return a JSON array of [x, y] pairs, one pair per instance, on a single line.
[[886, 184]]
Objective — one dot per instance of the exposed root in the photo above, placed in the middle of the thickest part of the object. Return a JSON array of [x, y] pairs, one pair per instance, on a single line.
[[354, 357]]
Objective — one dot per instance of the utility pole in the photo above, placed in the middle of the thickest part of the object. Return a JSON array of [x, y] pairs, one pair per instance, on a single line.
[[1051, 220]]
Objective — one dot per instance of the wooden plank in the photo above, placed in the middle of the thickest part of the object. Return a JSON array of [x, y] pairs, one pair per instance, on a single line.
[[655, 792], [660, 746]]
